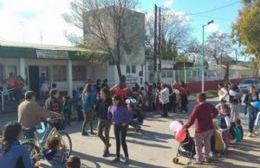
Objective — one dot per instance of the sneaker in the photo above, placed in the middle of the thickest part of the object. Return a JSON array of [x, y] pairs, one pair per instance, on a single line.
[[106, 154], [115, 160], [198, 162], [92, 133], [249, 135], [126, 161]]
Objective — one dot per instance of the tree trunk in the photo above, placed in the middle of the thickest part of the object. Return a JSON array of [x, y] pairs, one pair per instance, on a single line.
[[118, 55], [226, 75]]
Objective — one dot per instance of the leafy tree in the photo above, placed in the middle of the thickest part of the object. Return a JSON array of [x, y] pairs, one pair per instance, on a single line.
[[105, 25], [246, 30], [218, 49]]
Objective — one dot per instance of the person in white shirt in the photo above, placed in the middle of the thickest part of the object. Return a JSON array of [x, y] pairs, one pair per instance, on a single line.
[[222, 92], [164, 99]]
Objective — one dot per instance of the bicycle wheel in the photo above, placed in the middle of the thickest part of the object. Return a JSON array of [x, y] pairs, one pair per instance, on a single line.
[[66, 141], [32, 148]]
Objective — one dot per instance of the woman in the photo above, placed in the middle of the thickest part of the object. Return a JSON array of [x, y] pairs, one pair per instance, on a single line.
[[104, 123], [250, 111], [222, 92], [53, 103], [120, 116], [12, 153], [87, 107]]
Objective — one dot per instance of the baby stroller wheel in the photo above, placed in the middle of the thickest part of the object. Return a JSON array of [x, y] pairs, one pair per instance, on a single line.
[[175, 160]]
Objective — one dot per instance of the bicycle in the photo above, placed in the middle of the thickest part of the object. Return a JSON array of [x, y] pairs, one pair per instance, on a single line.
[[37, 145]]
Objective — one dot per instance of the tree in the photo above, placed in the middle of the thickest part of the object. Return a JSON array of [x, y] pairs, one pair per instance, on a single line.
[[246, 30], [218, 49], [175, 34], [105, 25]]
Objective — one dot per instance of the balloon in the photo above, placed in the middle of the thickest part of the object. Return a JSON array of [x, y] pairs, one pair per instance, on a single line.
[[181, 135], [256, 104], [175, 126]]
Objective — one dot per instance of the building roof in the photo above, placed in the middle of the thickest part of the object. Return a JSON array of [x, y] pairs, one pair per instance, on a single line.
[[29, 50]]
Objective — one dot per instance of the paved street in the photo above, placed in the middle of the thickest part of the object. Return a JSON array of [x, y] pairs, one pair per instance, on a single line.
[[155, 147]]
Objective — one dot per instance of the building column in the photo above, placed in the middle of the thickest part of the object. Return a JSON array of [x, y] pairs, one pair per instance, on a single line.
[[69, 77], [22, 68]]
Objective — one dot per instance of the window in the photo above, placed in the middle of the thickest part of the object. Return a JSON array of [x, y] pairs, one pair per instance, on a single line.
[[128, 69], [59, 73], [169, 74], [150, 68], [163, 74], [133, 69], [79, 73]]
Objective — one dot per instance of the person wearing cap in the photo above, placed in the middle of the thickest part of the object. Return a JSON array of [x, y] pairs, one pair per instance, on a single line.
[[30, 112]]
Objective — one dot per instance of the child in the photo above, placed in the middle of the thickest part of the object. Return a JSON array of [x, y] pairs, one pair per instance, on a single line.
[[224, 123], [120, 118], [55, 154], [66, 109], [73, 162]]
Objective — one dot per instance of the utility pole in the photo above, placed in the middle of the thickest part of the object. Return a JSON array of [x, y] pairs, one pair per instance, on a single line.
[[160, 45], [155, 42]]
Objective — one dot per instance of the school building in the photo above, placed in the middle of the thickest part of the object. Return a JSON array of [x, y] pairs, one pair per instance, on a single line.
[[68, 67]]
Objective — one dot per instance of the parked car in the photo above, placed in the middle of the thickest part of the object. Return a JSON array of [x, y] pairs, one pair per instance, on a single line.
[[245, 84]]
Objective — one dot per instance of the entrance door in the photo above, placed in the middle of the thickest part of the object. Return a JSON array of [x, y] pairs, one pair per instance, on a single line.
[[34, 79]]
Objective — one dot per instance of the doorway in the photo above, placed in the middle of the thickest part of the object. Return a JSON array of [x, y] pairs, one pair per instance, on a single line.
[[34, 79]]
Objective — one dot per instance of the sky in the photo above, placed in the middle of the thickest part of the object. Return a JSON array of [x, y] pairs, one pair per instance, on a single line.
[[41, 21]]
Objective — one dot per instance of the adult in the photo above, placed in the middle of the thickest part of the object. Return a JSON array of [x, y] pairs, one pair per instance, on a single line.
[[120, 89], [104, 123], [30, 113], [11, 84], [184, 96], [42, 79], [202, 115], [105, 84], [19, 86], [98, 86], [164, 99], [250, 111], [234, 100], [222, 92], [120, 117], [53, 103], [12, 153], [87, 107]]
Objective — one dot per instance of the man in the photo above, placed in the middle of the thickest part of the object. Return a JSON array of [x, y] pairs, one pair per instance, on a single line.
[[120, 89], [30, 113], [202, 115], [164, 99]]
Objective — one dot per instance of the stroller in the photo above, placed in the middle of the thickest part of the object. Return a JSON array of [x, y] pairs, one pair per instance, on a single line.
[[186, 148]]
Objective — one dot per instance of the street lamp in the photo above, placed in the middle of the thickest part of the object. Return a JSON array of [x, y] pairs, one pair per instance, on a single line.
[[203, 57]]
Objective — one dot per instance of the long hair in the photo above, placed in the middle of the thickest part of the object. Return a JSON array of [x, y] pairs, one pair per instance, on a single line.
[[10, 134], [87, 88], [106, 92]]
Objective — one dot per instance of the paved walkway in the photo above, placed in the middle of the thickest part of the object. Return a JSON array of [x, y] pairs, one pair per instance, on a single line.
[[155, 147]]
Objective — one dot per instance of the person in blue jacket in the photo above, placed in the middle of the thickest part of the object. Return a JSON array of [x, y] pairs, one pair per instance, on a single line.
[[12, 153], [87, 107]]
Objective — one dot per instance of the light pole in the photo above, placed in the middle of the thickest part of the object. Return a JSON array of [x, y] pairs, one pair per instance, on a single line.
[[203, 57]]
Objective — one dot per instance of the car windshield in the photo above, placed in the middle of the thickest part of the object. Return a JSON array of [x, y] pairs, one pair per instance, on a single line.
[[247, 82]]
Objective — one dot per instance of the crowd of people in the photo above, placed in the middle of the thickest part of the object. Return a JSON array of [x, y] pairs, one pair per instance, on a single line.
[[122, 107], [15, 85], [216, 127]]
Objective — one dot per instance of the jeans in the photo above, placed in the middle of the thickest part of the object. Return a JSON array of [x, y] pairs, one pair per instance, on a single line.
[[104, 127], [201, 139], [165, 110], [67, 118], [120, 135], [251, 118], [234, 113]]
